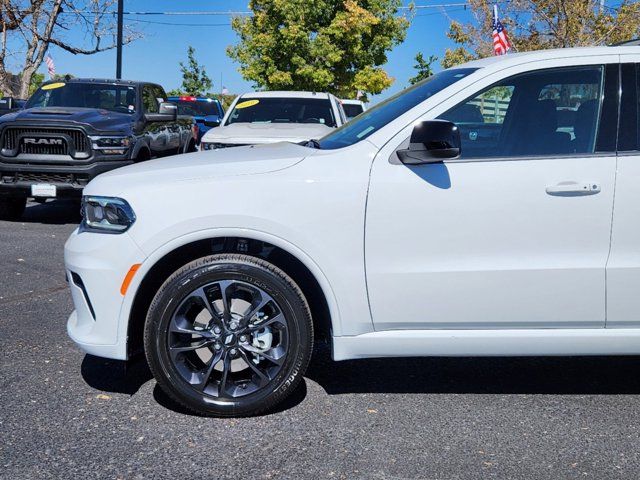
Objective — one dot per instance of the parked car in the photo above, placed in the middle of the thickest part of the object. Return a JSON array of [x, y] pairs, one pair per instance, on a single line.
[[206, 112], [10, 104], [439, 222], [70, 131], [268, 117], [353, 108]]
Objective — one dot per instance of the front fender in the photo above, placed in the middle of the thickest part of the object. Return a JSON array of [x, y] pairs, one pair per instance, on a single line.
[[176, 243]]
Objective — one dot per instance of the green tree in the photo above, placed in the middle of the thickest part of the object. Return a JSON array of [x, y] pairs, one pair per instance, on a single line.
[[226, 99], [424, 68], [337, 46], [195, 80], [36, 80], [541, 24]]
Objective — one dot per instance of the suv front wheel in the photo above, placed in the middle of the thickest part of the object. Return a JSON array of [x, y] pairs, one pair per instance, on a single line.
[[228, 335]]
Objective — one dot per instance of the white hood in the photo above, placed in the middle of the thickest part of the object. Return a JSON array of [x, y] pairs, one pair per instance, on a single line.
[[253, 133], [225, 162]]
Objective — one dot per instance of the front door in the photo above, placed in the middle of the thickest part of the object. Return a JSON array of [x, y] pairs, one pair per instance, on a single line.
[[513, 234]]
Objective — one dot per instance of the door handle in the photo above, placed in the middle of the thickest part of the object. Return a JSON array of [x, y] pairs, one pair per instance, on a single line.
[[573, 189]]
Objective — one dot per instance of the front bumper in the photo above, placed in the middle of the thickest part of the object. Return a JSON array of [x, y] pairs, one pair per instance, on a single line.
[[96, 264], [16, 178]]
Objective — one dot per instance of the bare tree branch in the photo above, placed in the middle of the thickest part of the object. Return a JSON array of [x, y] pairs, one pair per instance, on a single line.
[[32, 26]]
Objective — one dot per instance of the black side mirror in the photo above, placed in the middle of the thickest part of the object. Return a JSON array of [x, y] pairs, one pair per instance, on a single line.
[[167, 112], [212, 121], [431, 142]]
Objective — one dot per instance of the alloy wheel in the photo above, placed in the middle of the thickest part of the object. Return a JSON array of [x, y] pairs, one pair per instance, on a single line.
[[228, 339]]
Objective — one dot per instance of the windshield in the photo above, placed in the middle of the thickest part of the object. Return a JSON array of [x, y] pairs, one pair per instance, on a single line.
[[283, 110], [196, 108], [117, 98], [377, 117]]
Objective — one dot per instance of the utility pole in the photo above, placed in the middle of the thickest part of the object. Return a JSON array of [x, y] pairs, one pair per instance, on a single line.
[[119, 42]]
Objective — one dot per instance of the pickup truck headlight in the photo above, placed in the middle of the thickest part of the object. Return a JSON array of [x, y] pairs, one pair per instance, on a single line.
[[111, 145], [106, 215], [208, 146]]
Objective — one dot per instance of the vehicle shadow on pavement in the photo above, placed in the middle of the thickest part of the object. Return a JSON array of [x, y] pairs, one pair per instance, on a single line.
[[114, 376], [479, 375], [53, 212], [495, 375]]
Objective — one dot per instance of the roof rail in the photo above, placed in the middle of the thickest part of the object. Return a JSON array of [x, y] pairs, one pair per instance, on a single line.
[[628, 43]]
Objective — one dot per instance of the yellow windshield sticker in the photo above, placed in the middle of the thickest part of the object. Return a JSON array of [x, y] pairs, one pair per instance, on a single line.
[[247, 103], [51, 86]]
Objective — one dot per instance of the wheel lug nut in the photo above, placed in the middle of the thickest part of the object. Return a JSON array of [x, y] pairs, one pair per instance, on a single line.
[[243, 338], [233, 351], [217, 330], [217, 346]]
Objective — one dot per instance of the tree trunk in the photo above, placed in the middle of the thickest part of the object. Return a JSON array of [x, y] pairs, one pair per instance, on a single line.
[[25, 82]]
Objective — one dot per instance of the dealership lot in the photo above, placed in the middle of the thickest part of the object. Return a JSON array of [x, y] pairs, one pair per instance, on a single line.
[[64, 413]]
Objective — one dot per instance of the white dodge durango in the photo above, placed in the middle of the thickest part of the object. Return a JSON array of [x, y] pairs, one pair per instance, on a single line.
[[493, 209]]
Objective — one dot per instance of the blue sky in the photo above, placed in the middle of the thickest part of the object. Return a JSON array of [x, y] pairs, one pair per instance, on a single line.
[[155, 57]]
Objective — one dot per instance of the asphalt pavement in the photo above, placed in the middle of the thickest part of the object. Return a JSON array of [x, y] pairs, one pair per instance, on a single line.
[[64, 414]]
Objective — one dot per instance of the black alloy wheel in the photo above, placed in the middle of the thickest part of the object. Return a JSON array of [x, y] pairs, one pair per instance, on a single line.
[[228, 335]]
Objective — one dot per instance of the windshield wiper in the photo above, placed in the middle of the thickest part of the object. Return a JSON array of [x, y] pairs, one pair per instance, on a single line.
[[313, 144]]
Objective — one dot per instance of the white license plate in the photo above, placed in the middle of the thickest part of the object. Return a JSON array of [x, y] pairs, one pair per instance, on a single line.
[[43, 190]]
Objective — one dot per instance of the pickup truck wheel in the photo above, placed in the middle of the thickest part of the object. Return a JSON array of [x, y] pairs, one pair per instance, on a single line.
[[12, 208], [228, 335]]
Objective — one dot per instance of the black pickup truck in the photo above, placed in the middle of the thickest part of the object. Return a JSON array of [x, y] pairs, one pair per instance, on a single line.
[[72, 130]]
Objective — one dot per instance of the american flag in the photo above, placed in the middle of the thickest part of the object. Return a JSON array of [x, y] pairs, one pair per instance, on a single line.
[[51, 67], [501, 43]]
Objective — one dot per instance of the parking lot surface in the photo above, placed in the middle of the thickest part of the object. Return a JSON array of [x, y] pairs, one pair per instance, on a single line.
[[64, 414]]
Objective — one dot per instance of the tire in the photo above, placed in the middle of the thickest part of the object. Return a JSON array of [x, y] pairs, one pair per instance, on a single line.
[[12, 208], [142, 156], [265, 327]]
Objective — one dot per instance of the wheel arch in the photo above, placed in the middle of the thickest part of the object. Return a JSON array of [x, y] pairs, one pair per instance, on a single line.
[[167, 259], [142, 153]]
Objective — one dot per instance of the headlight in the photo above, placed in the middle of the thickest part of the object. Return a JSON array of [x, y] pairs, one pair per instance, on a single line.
[[106, 215], [207, 146], [111, 145]]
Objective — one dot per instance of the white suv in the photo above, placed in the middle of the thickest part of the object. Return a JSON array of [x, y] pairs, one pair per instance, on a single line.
[[268, 117], [471, 214]]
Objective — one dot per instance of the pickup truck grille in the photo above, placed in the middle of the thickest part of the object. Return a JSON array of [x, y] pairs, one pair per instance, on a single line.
[[47, 141], [45, 177]]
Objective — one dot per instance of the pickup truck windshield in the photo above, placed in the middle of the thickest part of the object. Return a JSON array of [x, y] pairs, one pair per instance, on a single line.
[[377, 117], [116, 98], [283, 110]]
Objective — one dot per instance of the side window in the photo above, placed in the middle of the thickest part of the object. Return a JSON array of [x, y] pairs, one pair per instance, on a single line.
[[629, 134], [481, 120], [541, 113], [159, 94], [149, 99]]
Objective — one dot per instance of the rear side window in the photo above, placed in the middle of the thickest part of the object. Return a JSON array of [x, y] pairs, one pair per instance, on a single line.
[[629, 134], [540, 113], [149, 100], [352, 110]]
